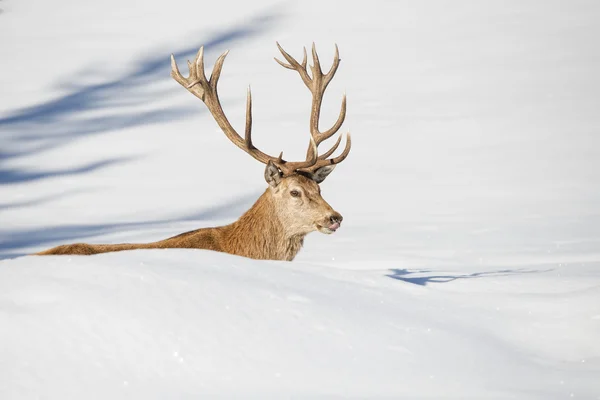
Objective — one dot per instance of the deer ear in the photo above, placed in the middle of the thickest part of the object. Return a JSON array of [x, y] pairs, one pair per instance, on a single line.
[[272, 174], [322, 173]]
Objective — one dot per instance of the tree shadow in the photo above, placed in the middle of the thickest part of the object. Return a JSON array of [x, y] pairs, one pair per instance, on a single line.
[[12, 243], [13, 175], [38, 201], [405, 275], [109, 106]]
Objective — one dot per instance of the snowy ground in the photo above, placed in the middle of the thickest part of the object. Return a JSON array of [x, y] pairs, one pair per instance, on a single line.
[[468, 265]]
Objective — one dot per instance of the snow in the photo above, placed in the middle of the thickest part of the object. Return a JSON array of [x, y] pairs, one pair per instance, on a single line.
[[467, 266], [156, 324]]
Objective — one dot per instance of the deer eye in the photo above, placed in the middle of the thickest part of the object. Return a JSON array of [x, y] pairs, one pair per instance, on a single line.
[[295, 193]]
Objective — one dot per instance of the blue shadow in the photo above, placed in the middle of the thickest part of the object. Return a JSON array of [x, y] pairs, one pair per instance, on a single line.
[[59, 121], [405, 275]]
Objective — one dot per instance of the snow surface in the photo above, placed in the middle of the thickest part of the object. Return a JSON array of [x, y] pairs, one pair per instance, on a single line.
[[468, 264]]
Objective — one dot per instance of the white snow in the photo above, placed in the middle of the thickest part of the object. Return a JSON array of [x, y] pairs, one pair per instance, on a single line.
[[468, 264]]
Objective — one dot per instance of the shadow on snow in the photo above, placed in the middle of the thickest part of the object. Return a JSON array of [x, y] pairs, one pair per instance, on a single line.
[[112, 103], [407, 275]]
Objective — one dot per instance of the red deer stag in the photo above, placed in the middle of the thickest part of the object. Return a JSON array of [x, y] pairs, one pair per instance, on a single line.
[[275, 226]]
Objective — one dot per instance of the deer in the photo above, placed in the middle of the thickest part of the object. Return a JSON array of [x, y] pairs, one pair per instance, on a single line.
[[291, 207]]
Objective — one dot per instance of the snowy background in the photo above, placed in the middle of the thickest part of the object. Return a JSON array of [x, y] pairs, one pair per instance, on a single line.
[[468, 264]]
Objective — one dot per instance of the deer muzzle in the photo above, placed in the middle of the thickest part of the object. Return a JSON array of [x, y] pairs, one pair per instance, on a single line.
[[332, 223]]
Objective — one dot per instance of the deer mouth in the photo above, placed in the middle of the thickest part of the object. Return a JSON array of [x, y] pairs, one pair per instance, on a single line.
[[328, 230]]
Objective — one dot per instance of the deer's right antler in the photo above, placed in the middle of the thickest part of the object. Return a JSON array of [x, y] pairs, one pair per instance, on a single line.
[[317, 84], [206, 90]]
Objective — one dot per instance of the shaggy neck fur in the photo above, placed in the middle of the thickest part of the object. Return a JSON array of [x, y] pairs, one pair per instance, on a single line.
[[263, 233]]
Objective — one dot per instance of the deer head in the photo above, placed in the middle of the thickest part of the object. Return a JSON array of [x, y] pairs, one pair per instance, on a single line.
[[293, 185]]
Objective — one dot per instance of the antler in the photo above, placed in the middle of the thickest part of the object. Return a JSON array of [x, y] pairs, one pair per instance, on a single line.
[[317, 85], [206, 90]]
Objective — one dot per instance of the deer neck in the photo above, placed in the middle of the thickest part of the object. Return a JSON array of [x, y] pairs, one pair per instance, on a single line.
[[260, 233]]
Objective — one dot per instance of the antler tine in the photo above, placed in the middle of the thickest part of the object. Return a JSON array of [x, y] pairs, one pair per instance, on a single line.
[[248, 133], [199, 72], [216, 72], [175, 68], [316, 64], [345, 153], [332, 149], [322, 136], [188, 83], [323, 160], [304, 59], [284, 65], [320, 85], [295, 65], [336, 63]]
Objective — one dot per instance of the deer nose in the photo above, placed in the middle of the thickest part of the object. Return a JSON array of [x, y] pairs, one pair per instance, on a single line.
[[336, 218]]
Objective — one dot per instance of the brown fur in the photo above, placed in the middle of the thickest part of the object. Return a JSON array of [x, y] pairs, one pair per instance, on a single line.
[[272, 229]]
